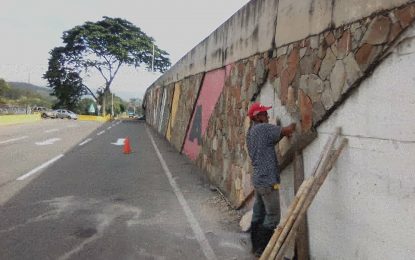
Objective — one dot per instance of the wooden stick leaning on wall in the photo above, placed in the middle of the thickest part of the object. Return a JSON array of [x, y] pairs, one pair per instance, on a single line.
[[292, 217], [279, 238], [284, 221], [319, 180]]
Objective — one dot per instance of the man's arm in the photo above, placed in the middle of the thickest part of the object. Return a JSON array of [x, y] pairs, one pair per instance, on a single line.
[[288, 130]]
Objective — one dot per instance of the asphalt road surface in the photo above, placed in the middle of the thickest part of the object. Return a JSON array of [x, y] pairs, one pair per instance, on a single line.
[[92, 201]]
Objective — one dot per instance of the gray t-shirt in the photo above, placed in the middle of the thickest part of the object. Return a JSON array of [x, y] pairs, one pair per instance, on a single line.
[[261, 140]]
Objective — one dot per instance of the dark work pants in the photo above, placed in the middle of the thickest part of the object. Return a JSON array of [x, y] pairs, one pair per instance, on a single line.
[[266, 209]]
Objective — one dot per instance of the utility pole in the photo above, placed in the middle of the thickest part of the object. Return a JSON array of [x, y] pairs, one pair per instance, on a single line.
[[152, 61], [112, 105]]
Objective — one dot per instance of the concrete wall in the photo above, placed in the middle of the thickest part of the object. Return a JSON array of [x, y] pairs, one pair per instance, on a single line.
[[309, 59], [365, 209]]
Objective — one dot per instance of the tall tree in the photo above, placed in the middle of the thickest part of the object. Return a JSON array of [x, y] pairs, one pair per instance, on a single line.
[[103, 46]]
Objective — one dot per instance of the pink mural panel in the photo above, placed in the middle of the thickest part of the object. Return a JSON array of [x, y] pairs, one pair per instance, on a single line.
[[209, 94]]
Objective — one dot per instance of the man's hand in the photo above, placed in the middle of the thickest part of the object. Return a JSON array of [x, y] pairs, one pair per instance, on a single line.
[[288, 130]]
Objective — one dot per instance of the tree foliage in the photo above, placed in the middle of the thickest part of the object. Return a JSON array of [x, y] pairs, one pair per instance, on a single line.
[[102, 47], [12, 96], [66, 83]]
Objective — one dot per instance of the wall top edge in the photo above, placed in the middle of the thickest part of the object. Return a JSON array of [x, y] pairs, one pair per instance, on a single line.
[[237, 38]]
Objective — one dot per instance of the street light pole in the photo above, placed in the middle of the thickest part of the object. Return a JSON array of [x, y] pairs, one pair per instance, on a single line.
[[112, 105], [152, 60]]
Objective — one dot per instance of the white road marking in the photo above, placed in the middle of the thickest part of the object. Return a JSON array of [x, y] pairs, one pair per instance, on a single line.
[[197, 230], [86, 141], [51, 130], [100, 133], [108, 128], [44, 165], [120, 141], [14, 139], [48, 141]]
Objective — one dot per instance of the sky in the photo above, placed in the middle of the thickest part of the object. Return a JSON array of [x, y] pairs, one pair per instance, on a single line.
[[29, 29]]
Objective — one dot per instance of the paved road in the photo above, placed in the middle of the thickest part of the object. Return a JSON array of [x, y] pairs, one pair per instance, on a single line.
[[24, 147], [97, 203]]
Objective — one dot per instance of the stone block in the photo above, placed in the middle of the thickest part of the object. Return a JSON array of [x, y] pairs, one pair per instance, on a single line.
[[291, 106], [285, 82], [329, 38], [245, 222], [346, 11], [282, 50], [353, 71], [405, 15], [366, 55], [337, 79], [306, 111], [298, 19], [292, 63], [327, 96], [343, 45], [378, 30], [327, 64], [312, 86], [307, 64], [395, 31]]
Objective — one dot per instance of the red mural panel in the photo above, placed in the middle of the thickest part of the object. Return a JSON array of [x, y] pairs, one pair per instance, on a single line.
[[209, 94]]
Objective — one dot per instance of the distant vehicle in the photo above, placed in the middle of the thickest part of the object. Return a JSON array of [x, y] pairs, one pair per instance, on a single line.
[[63, 113], [143, 117], [44, 112], [131, 114]]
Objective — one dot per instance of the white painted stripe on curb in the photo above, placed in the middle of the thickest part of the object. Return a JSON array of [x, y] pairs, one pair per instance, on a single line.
[[100, 133], [197, 230], [86, 141], [14, 139], [44, 165]]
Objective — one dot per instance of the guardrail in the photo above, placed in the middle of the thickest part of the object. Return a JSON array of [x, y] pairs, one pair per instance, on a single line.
[[94, 118], [6, 110]]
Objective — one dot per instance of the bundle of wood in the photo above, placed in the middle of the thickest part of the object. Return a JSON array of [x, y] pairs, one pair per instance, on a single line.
[[286, 231]]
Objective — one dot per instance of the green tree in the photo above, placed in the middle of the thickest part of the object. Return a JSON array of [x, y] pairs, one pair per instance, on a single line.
[[103, 47], [4, 88], [66, 82]]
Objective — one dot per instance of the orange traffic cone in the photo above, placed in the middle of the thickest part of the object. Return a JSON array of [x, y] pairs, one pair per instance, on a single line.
[[127, 148]]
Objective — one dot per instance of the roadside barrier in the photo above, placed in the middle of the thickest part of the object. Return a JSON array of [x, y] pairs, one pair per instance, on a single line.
[[94, 118], [18, 119]]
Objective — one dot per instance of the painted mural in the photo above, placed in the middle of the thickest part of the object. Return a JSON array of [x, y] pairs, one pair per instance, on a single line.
[[184, 98], [165, 108], [211, 89]]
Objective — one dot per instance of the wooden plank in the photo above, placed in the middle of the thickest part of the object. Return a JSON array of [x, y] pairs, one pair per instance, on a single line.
[[302, 248]]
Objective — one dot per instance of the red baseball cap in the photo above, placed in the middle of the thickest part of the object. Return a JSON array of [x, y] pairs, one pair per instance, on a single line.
[[256, 108]]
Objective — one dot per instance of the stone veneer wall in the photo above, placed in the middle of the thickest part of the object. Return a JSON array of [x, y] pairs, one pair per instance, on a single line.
[[306, 74], [304, 80]]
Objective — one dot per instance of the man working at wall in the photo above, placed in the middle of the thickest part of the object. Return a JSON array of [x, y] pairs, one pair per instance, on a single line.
[[261, 140]]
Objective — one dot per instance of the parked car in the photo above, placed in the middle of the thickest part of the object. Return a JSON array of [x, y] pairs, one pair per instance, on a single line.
[[44, 112], [63, 113]]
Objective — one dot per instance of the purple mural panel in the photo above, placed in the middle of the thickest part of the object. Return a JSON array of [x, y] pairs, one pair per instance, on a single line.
[[209, 94]]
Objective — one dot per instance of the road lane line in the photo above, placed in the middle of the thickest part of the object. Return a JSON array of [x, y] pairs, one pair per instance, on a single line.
[[44, 165], [51, 130], [86, 141], [108, 128], [100, 133], [48, 141], [197, 230], [14, 139]]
